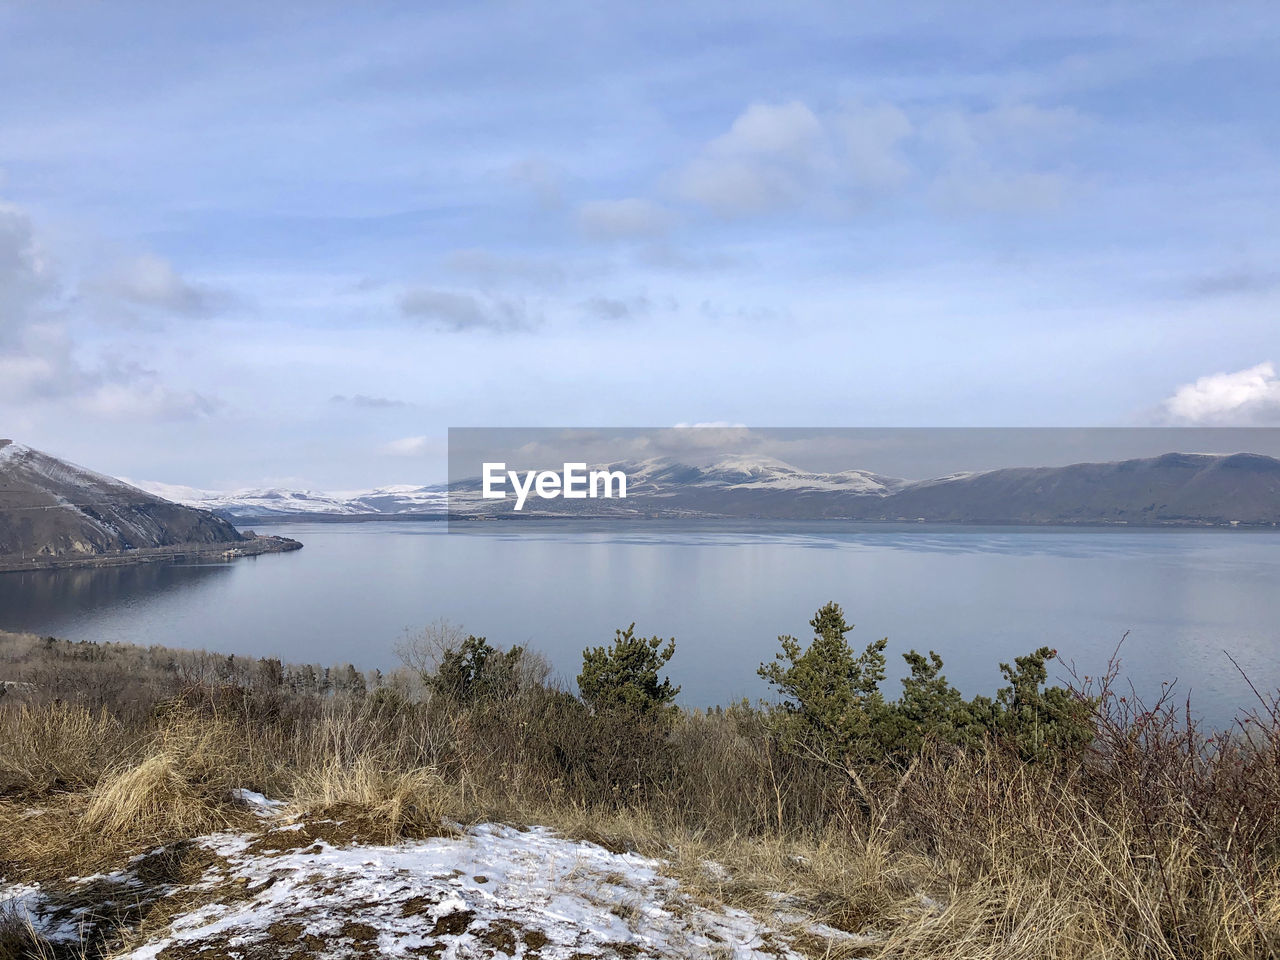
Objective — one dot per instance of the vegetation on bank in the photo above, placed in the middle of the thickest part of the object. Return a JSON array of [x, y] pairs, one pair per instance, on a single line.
[[1040, 821]]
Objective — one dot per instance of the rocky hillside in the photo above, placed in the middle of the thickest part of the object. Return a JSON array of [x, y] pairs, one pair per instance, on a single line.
[[51, 508]]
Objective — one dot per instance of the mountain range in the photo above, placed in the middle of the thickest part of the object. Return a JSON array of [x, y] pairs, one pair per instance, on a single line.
[[271, 503], [1173, 489]]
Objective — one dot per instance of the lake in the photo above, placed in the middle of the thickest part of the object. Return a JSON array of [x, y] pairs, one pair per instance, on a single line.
[[976, 595]]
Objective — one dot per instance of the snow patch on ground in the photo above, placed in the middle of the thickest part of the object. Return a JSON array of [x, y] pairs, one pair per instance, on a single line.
[[31, 906], [493, 891], [489, 891], [257, 802], [68, 916]]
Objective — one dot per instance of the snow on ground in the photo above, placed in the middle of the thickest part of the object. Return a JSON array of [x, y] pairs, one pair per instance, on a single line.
[[490, 891], [257, 802], [67, 916], [32, 907], [493, 890]]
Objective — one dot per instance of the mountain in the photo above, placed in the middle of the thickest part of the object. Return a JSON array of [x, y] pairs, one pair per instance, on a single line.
[[273, 503], [659, 479], [53, 509], [1174, 489], [665, 475]]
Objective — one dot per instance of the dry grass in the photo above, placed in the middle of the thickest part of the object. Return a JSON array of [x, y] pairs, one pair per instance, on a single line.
[[18, 941], [58, 747], [181, 787], [390, 803], [1163, 842]]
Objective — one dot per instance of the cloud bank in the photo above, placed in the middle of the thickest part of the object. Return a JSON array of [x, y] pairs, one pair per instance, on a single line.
[[1246, 397]]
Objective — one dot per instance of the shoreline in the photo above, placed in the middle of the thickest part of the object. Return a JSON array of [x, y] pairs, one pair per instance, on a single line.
[[765, 522], [225, 550]]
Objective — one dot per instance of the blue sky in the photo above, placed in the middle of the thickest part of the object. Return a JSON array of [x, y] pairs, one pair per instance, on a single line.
[[243, 246]]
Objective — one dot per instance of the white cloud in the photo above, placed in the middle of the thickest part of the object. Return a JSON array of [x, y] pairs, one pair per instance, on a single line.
[[487, 268], [775, 157], [407, 447], [26, 275], [1248, 396], [718, 437], [146, 401], [1006, 159], [152, 282], [872, 137], [778, 156], [994, 191], [763, 162], [39, 361], [631, 218], [617, 308], [732, 187], [542, 180], [457, 312], [367, 402], [791, 131]]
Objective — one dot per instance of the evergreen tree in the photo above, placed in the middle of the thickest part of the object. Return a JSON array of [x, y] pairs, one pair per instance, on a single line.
[[831, 698], [623, 678]]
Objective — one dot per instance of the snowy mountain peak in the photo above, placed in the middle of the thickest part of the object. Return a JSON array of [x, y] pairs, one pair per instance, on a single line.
[[267, 502], [660, 476], [755, 473]]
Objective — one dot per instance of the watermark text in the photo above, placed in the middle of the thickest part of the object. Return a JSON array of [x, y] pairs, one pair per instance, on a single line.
[[575, 482]]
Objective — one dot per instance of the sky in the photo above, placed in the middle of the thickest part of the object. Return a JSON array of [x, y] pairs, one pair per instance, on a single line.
[[292, 244]]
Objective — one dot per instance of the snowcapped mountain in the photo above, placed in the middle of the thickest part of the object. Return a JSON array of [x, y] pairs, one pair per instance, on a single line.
[[276, 502], [1175, 489], [751, 473], [662, 478]]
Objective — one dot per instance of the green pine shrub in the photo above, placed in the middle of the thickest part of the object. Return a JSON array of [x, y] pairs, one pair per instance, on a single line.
[[623, 678], [831, 703]]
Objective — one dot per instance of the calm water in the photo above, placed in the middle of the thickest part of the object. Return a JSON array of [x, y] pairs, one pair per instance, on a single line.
[[977, 596]]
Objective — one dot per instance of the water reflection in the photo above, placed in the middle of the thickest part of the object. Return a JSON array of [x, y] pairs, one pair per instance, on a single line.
[[41, 601]]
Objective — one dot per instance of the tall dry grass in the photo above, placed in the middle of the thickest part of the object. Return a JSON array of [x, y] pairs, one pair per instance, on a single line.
[[58, 747], [1163, 841], [180, 786]]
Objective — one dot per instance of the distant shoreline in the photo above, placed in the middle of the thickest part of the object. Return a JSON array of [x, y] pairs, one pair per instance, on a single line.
[[227, 550], [640, 520]]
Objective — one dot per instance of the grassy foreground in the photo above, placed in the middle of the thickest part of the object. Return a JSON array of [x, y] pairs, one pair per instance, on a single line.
[[1148, 839]]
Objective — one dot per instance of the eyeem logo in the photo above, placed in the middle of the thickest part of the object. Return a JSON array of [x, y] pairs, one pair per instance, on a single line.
[[574, 483]]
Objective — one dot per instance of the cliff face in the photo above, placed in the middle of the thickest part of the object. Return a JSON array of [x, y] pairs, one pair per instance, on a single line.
[[51, 508]]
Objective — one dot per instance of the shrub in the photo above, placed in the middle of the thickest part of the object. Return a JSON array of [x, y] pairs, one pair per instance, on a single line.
[[832, 704], [475, 672], [18, 937], [623, 678], [1041, 724], [932, 710], [369, 790], [832, 698]]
